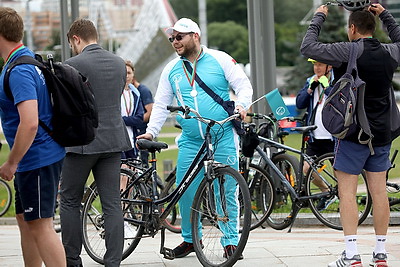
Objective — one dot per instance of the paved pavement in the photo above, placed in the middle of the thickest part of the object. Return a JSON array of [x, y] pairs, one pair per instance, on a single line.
[[304, 246]]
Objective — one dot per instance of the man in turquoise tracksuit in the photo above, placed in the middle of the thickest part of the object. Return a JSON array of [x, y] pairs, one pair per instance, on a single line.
[[219, 71]]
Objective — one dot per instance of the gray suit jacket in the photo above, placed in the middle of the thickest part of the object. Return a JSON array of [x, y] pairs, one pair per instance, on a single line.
[[107, 75]]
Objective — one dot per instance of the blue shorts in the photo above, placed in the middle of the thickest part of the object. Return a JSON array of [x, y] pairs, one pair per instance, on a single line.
[[352, 158], [36, 191]]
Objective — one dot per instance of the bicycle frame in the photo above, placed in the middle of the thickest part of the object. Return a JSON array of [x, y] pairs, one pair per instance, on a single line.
[[203, 158], [303, 157]]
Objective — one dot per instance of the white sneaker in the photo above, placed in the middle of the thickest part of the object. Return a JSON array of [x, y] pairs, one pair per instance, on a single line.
[[379, 260], [129, 231], [345, 262]]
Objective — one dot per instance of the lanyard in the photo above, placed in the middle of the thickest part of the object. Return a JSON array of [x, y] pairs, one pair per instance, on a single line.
[[321, 94], [193, 74], [128, 109], [12, 53]]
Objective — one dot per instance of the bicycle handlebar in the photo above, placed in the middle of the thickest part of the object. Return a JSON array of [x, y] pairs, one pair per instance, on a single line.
[[186, 110], [175, 108]]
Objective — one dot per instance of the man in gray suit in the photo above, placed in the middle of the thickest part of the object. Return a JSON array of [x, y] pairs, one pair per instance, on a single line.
[[107, 74]]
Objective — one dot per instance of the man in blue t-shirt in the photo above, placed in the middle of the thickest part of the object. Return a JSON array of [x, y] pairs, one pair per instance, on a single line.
[[35, 159]]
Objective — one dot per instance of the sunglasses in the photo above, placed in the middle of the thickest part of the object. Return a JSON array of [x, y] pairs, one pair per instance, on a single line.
[[178, 37]]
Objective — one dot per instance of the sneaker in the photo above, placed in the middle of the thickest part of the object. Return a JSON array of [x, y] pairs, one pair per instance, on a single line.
[[129, 231], [229, 250], [379, 260], [345, 262], [324, 202], [183, 249]]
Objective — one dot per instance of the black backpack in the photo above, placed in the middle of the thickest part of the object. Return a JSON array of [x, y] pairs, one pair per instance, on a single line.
[[75, 117], [343, 113]]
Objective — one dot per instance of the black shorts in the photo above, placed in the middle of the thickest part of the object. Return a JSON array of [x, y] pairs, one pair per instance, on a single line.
[[319, 147], [36, 191]]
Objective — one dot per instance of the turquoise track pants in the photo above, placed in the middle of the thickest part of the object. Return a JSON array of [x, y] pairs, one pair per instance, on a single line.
[[225, 153]]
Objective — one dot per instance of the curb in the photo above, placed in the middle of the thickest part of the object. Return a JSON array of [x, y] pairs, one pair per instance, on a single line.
[[303, 220], [8, 221]]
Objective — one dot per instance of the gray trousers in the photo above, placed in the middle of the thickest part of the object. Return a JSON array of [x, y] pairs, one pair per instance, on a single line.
[[106, 172]]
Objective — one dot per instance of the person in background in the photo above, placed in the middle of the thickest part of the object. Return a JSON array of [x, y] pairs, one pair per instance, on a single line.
[[35, 159], [132, 113], [219, 71], [376, 64], [132, 110], [312, 97], [107, 75], [147, 101]]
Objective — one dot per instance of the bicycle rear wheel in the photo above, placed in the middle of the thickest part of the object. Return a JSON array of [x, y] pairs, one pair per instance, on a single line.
[[5, 197], [282, 213], [261, 194], [327, 209], [219, 207], [93, 221]]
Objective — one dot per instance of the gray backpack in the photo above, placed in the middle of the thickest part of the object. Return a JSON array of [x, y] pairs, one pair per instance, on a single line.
[[343, 113]]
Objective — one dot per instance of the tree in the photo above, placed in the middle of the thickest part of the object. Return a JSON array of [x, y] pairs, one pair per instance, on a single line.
[[230, 37], [224, 10], [291, 11], [55, 43], [186, 8], [333, 30]]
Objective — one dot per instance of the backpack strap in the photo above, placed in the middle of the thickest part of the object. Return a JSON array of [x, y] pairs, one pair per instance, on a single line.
[[19, 61], [6, 83], [362, 119]]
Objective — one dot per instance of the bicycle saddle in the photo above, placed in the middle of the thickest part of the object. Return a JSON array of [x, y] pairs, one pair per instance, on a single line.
[[151, 146], [304, 129]]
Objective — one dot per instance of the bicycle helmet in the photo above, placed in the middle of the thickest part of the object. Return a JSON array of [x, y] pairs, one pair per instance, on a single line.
[[313, 61], [353, 5]]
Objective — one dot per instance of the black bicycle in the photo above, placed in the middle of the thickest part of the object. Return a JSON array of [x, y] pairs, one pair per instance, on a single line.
[[392, 188], [315, 192], [221, 204], [5, 197]]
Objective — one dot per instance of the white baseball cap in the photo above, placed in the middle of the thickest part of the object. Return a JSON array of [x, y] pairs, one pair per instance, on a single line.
[[184, 25]]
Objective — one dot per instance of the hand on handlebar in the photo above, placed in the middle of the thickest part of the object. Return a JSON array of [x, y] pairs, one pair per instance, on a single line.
[[243, 113]]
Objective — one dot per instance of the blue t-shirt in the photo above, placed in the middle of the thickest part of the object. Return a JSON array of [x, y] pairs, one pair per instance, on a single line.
[[147, 98], [27, 83]]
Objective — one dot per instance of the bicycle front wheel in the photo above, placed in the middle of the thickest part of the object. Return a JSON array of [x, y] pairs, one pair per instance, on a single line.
[[281, 216], [93, 221], [261, 194], [221, 206], [326, 209], [5, 197]]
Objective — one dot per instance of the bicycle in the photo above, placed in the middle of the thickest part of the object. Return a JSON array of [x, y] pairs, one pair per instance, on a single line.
[[253, 168], [296, 191], [146, 211], [5, 197], [164, 188], [393, 188], [261, 193]]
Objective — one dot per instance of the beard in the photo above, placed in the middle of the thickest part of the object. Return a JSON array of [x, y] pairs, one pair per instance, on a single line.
[[188, 50]]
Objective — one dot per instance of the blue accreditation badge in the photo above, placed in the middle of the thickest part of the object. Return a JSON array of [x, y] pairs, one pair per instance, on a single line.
[[277, 105]]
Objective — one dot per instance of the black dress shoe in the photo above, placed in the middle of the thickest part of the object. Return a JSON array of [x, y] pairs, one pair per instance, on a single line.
[[229, 250]]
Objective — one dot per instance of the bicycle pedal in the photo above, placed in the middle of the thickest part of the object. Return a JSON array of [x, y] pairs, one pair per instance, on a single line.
[[168, 253]]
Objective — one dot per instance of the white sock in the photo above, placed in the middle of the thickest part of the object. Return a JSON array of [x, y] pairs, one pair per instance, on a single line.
[[380, 244], [351, 246]]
